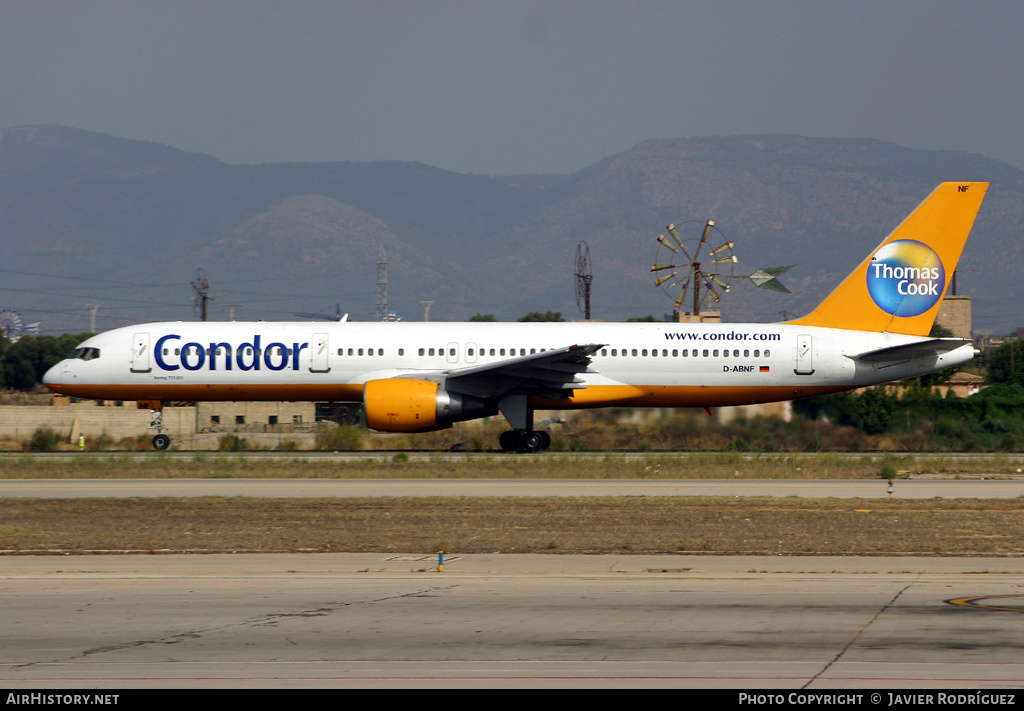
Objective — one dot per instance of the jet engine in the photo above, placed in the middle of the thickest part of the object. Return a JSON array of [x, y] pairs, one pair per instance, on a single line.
[[408, 405]]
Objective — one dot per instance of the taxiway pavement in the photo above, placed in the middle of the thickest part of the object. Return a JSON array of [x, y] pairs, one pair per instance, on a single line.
[[304, 488]]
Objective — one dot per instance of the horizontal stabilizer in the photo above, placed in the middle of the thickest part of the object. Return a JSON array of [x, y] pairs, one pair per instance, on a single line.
[[932, 346]]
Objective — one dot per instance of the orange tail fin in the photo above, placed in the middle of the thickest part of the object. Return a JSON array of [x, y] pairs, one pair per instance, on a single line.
[[900, 286]]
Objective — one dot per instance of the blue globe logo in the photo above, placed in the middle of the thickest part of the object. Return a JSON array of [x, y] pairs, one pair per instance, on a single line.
[[906, 278]]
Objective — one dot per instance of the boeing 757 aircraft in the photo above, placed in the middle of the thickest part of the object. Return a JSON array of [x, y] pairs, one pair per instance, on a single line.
[[415, 377]]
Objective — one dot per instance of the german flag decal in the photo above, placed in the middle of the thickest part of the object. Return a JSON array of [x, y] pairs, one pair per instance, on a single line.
[[766, 369]]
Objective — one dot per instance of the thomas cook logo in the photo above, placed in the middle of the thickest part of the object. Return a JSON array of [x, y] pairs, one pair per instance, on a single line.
[[906, 278]]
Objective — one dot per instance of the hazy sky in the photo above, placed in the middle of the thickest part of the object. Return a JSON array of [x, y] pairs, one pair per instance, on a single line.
[[500, 88]]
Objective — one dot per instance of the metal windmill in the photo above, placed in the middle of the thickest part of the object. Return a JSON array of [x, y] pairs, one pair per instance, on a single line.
[[697, 258], [13, 327], [584, 277]]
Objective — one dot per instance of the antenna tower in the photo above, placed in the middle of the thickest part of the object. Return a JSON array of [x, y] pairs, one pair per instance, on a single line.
[[382, 285], [201, 287], [583, 278]]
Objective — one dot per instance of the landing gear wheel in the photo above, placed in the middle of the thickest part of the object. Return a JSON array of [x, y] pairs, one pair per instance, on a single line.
[[524, 440], [507, 440], [161, 441], [530, 441]]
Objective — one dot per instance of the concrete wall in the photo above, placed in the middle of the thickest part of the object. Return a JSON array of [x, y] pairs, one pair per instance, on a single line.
[[68, 421], [190, 427]]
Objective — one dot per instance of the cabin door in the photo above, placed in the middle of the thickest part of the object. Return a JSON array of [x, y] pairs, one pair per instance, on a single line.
[[804, 355], [318, 354], [140, 353]]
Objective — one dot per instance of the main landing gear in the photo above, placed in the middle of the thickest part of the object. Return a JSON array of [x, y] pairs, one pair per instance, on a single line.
[[524, 440], [522, 437]]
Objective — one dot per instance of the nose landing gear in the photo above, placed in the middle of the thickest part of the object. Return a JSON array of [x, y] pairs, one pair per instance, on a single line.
[[156, 422]]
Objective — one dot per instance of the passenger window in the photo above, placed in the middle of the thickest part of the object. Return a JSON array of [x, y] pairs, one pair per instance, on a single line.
[[746, 353], [430, 352], [634, 352], [401, 351], [767, 353], [706, 352], [757, 353], [421, 351], [643, 352]]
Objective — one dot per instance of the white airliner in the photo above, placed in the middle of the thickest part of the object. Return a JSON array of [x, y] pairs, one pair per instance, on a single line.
[[415, 377]]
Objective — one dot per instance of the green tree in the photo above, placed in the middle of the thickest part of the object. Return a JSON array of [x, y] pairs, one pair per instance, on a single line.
[[23, 364], [535, 316], [482, 317], [1005, 364]]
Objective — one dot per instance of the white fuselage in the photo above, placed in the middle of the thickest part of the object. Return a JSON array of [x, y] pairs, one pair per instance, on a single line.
[[639, 364]]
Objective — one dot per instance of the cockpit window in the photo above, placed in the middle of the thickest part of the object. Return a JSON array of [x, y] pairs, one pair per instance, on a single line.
[[85, 353]]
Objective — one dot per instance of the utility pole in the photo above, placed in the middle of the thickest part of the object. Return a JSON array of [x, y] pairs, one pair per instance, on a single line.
[[93, 308], [382, 285], [426, 309]]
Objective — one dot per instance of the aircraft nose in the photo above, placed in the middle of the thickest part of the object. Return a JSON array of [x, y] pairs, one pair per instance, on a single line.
[[54, 376]]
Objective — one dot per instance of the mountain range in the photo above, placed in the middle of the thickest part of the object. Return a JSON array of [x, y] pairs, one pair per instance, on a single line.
[[92, 223]]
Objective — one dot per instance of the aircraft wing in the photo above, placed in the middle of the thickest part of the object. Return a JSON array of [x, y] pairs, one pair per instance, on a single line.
[[908, 351], [550, 374]]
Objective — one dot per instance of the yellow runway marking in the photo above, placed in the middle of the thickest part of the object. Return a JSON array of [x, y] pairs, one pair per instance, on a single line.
[[973, 602]]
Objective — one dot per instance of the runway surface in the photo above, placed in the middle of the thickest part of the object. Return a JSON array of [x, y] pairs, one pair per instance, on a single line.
[[369, 620], [290, 488], [375, 620]]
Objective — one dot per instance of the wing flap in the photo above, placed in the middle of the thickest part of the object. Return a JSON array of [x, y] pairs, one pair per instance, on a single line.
[[553, 373]]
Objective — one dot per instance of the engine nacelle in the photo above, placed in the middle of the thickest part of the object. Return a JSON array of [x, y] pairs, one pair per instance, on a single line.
[[408, 405]]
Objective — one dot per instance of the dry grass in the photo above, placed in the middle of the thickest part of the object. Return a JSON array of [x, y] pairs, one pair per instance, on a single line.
[[702, 465], [521, 525]]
